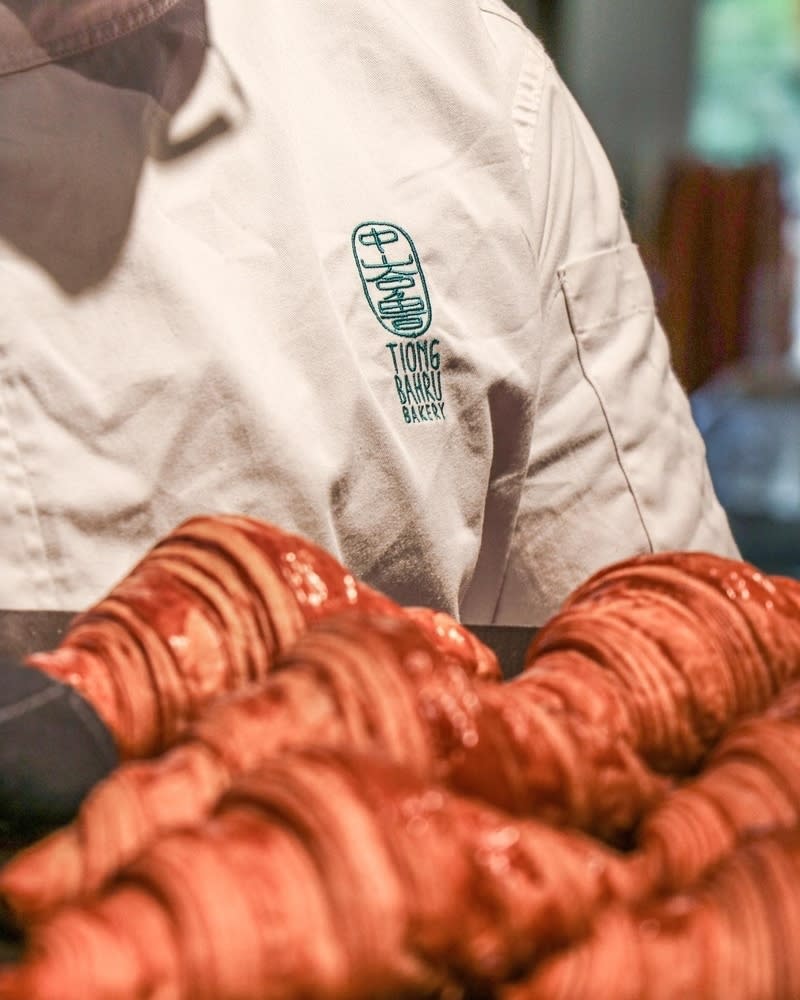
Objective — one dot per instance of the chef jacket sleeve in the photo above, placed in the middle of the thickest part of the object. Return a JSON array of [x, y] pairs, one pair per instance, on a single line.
[[617, 466]]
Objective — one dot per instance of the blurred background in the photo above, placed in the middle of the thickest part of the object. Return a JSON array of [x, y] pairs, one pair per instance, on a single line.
[[698, 105]]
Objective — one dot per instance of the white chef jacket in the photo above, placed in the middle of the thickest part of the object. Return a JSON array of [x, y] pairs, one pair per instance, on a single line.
[[371, 283]]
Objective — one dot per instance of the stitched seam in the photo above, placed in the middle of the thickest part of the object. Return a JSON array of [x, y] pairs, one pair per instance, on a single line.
[[528, 101], [90, 37], [31, 703], [525, 119], [606, 416], [505, 15], [616, 318], [528, 90], [22, 495]]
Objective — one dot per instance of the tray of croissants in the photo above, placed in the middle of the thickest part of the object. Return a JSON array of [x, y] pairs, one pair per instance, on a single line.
[[323, 794]]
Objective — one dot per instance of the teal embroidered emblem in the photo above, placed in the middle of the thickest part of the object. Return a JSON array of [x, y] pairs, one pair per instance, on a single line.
[[394, 285], [392, 277]]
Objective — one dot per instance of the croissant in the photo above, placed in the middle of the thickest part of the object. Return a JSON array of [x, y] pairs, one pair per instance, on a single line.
[[388, 857], [205, 612], [371, 683], [692, 642], [734, 936], [457, 642], [571, 741], [325, 875], [750, 784]]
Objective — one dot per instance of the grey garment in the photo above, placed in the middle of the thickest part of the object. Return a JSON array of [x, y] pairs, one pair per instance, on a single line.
[[34, 33], [82, 178], [53, 750]]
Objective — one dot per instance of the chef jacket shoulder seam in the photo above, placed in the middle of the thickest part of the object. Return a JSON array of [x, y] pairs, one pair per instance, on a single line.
[[502, 11], [525, 110], [527, 100]]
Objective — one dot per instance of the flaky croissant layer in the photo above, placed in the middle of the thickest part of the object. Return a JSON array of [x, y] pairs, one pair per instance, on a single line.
[[355, 807]]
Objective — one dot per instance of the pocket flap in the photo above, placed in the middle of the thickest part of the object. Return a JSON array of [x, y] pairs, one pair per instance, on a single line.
[[606, 287]]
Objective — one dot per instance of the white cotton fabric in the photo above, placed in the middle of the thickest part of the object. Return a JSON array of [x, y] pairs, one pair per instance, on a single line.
[[185, 327]]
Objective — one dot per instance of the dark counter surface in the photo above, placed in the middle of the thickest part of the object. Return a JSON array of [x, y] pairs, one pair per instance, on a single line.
[[509, 643], [23, 632]]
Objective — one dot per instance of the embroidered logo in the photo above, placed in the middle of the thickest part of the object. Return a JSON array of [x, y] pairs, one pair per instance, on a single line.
[[393, 279], [395, 287]]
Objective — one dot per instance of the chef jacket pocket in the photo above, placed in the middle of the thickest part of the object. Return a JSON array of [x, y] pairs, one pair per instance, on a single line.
[[624, 354]]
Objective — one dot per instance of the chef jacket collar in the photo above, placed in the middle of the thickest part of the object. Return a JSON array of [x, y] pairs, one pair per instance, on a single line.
[[157, 48], [35, 32]]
